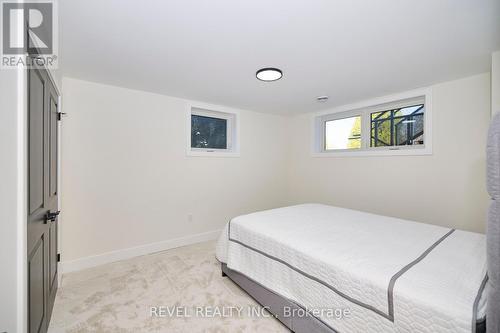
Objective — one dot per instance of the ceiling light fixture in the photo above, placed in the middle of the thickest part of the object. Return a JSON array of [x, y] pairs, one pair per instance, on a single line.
[[269, 74], [408, 121], [322, 99]]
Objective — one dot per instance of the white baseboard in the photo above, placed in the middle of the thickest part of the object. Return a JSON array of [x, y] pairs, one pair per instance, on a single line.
[[108, 257]]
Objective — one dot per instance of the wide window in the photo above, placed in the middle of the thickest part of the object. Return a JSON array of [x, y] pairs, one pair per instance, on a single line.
[[389, 128], [212, 133]]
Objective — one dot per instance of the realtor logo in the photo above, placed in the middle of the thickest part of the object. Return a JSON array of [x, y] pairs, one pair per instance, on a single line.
[[29, 34]]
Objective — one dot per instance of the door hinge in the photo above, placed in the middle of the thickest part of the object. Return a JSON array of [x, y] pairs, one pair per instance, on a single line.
[[60, 115], [58, 257]]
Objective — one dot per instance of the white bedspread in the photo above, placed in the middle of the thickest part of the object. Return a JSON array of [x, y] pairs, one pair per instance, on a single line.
[[392, 275]]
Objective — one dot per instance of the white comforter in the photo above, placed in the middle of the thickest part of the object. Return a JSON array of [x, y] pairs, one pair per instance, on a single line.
[[392, 275]]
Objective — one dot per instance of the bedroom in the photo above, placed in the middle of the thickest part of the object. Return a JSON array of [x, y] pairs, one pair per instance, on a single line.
[[253, 166]]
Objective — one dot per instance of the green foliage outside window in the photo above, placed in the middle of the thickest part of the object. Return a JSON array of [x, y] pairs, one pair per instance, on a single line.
[[355, 135]]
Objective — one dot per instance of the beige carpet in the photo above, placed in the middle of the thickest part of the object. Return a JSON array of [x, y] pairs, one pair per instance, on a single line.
[[118, 297]]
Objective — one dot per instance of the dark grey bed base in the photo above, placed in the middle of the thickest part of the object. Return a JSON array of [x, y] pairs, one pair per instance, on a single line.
[[276, 304]]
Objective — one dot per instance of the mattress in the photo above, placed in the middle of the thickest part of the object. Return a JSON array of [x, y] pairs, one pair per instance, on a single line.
[[384, 274]]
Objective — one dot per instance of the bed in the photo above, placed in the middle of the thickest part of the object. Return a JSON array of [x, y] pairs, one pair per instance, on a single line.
[[321, 268], [374, 273]]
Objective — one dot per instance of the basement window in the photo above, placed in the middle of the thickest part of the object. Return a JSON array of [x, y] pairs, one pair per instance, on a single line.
[[343, 133], [208, 132], [398, 127], [395, 127], [212, 133]]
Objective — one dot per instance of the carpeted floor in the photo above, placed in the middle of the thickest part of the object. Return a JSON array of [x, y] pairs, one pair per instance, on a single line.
[[119, 297]]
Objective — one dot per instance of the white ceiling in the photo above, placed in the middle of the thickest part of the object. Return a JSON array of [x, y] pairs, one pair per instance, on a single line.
[[210, 50]]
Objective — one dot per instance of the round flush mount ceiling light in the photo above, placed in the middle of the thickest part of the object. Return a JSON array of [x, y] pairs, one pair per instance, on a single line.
[[322, 99], [269, 74]]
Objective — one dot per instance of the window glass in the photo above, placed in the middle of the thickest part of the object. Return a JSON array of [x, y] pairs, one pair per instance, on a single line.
[[398, 127], [208, 132], [343, 133]]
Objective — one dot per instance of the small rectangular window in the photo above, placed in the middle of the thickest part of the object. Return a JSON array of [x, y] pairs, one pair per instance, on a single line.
[[212, 133], [343, 133], [208, 132]]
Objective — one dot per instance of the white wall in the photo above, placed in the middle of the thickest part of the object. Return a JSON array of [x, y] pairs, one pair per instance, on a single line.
[[126, 179], [446, 188], [12, 201], [495, 82]]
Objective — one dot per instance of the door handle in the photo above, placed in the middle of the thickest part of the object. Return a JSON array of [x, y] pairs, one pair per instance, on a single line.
[[51, 216]]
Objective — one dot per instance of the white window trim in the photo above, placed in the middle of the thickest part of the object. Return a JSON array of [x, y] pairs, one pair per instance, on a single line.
[[233, 129], [365, 108]]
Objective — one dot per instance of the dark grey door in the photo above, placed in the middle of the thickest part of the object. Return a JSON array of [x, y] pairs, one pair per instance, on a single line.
[[42, 199]]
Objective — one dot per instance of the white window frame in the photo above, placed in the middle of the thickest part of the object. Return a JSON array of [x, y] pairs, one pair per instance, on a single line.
[[232, 132], [365, 109]]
